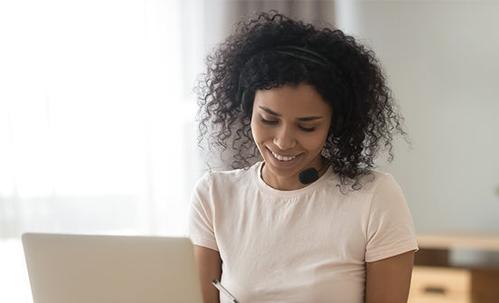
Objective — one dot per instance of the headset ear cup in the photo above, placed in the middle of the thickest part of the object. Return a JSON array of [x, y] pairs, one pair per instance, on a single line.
[[246, 102], [242, 101], [337, 126]]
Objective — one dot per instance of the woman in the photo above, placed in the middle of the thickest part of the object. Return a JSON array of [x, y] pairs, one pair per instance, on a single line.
[[313, 221]]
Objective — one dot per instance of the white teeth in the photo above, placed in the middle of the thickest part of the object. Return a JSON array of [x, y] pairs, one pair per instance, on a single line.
[[282, 158]]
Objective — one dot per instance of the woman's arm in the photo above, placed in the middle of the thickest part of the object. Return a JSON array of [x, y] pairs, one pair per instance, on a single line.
[[210, 268], [388, 280]]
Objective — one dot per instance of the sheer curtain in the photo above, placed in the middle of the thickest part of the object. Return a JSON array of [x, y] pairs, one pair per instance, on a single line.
[[96, 121]]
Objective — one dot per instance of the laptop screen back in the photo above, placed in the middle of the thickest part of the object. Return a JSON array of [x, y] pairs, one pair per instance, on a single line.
[[84, 268]]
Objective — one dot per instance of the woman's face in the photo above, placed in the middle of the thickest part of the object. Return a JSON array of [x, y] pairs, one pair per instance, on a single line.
[[290, 125]]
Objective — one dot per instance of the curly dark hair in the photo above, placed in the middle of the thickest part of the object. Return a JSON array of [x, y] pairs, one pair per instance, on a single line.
[[346, 74]]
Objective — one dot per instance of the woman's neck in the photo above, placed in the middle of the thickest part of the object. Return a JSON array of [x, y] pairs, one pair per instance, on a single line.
[[292, 182]]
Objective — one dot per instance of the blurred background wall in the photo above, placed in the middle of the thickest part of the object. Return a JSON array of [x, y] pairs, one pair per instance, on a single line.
[[442, 62]]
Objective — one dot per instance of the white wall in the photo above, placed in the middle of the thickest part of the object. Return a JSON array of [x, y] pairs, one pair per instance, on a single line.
[[442, 62]]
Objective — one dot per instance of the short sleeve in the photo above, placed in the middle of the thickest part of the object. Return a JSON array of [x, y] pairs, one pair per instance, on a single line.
[[390, 229], [201, 230]]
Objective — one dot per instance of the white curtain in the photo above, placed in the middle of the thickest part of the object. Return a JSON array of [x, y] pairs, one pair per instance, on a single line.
[[96, 121]]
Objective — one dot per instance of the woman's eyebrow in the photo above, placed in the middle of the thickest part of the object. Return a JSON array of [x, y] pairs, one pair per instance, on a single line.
[[310, 118], [269, 111]]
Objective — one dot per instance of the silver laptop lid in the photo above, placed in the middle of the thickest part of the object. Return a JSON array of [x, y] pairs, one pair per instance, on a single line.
[[98, 269]]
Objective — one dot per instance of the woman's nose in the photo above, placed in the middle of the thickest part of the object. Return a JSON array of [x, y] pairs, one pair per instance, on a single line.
[[284, 139]]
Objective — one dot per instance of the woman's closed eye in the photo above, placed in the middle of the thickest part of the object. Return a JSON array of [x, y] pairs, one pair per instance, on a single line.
[[307, 129], [275, 122], [270, 122]]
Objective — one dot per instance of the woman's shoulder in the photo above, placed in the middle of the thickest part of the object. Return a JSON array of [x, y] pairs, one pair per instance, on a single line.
[[384, 189], [214, 177], [382, 177], [371, 182]]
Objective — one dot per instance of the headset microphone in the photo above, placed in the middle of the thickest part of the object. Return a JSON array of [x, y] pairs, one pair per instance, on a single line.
[[308, 175]]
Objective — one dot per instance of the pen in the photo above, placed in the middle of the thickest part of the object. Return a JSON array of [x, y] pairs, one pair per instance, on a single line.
[[219, 286]]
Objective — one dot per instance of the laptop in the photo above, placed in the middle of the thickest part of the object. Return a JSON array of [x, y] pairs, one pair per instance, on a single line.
[[66, 268]]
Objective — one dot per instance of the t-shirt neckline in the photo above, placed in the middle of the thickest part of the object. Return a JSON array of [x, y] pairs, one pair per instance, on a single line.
[[288, 193]]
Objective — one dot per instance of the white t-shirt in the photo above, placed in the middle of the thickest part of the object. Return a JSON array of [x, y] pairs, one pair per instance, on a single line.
[[305, 245]]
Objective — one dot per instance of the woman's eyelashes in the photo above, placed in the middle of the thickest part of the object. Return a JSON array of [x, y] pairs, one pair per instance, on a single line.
[[275, 122], [269, 122]]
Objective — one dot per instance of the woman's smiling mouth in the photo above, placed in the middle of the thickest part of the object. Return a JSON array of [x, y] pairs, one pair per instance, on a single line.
[[283, 158]]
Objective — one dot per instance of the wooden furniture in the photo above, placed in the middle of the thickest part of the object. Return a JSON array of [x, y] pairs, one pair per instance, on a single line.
[[436, 280]]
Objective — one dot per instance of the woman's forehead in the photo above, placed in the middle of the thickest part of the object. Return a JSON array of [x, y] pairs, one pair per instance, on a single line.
[[287, 100]]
